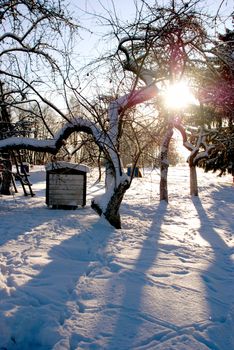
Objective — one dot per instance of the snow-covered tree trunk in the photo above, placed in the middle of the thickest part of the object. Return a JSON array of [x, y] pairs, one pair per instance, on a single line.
[[109, 174], [110, 210], [117, 182], [164, 165], [193, 181]]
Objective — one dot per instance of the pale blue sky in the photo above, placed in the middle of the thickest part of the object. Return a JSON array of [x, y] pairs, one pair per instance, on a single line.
[[125, 10]]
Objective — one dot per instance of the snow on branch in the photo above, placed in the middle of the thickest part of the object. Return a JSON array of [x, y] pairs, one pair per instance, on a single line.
[[135, 64], [53, 145], [120, 105], [182, 131], [195, 156]]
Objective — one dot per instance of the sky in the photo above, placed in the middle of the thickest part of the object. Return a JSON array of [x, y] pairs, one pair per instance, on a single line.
[[125, 10], [70, 281], [92, 44]]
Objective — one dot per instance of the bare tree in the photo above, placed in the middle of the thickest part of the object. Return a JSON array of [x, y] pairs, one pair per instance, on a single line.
[[28, 62]]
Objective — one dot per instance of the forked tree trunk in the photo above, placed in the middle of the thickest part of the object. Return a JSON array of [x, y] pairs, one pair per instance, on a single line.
[[193, 181], [164, 165], [111, 211], [194, 152]]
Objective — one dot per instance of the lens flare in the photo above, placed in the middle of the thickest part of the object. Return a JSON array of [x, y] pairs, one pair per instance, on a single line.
[[179, 96]]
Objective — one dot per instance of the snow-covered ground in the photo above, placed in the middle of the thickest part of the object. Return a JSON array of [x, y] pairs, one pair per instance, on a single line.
[[164, 281]]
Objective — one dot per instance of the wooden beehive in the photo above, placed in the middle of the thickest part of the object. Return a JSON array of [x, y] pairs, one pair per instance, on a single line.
[[66, 185]]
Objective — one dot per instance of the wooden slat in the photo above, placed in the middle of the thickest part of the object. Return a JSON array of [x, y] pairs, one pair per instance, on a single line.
[[66, 195], [57, 178], [71, 191], [68, 202], [66, 187], [67, 183], [62, 199]]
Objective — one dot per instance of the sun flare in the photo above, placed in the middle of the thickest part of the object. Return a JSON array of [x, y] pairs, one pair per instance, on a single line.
[[179, 96]]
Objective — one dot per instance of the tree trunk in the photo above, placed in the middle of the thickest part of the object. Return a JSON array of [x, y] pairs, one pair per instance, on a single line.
[[6, 177], [109, 175], [111, 211], [164, 165], [163, 183], [193, 181]]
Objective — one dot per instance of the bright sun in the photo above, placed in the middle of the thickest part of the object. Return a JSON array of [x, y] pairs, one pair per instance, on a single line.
[[179, 96]]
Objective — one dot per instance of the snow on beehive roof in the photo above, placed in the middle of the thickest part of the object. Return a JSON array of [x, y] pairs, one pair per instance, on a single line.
[[65, 165]]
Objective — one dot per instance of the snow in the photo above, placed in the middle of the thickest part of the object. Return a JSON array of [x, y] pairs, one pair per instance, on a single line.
[[164, 281], [32, 142], [69, 165]]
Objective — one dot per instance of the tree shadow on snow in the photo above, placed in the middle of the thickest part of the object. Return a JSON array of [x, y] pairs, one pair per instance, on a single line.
[[223, 197], [129, 316], [18, 221], [32, 316], [218, 278]]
